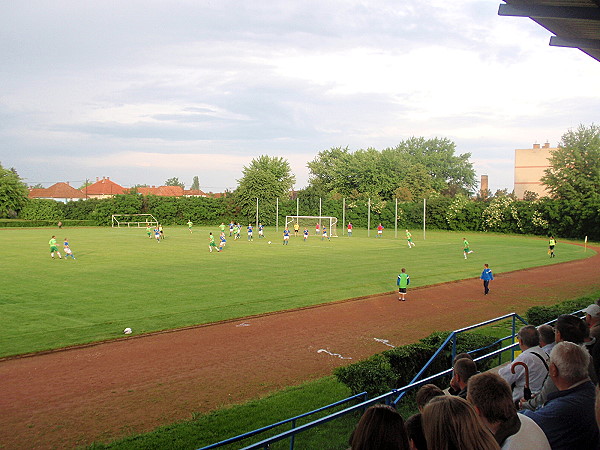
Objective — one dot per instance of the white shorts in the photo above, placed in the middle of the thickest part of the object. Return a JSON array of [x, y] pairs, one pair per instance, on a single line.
[[286, 238]]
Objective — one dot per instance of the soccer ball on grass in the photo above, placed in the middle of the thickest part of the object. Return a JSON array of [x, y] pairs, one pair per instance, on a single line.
[[127, 331], [269, 242]]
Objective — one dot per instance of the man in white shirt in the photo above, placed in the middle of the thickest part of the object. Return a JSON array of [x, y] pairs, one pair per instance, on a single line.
[[535, 359]]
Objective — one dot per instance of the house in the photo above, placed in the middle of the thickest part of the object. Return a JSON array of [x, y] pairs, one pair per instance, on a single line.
[[103, 188], [60, 192]]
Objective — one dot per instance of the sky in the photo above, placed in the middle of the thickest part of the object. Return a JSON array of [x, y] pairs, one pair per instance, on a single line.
[[143, 91]]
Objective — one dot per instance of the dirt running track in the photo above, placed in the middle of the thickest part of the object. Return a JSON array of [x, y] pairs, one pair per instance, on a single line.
[[102, 392]]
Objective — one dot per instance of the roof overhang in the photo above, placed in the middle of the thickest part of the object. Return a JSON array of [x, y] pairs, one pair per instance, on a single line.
[[574, 23]]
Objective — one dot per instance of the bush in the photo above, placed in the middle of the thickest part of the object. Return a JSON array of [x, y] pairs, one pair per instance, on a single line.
[[374, 375], [537, 315]]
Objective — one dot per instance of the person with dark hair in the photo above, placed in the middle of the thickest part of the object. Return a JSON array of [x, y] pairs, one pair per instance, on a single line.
[[547, 341], [567, 328], [426, 393], [492, 398], [486, 276], [451, 422], [463, 369], [414, 430], [535, 359], [380, 427], [568, 417]]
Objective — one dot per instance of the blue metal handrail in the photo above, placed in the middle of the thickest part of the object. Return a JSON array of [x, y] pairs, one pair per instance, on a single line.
[[387, 397]]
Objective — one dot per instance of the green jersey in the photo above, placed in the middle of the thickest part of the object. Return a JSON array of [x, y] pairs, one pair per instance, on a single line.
[[403, 280], [408, 235], [222, 227], [466, 244], [52, 242], [190, 224]]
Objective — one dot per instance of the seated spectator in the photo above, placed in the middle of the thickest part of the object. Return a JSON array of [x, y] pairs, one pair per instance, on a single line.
[[451, 390], [547, 341], [492, 398], [535, 359], [426, 393], [381, 427], [592, 318], [463, 370], [568, 328], [568, 417], [414, 430], [450, 422]]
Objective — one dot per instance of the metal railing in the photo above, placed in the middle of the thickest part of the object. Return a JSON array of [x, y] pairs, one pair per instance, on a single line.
[[389, 398]]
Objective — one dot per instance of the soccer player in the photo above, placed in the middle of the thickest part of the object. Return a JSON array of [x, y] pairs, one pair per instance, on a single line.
[[54, 247], [466, 248], [236, 232], [349, 229], [486, 276], [160, 230], [222, 241], [305, 234], [380, 231], [222, 227], [189, 224], [409, 239], [149, 231], [261, 230], [286, 236], [67, 249], [324, 236], [211, 242], [231, 228], [551, 245], [249, 231], [157, 234], [402, 282], [296, 229], [317, 230]]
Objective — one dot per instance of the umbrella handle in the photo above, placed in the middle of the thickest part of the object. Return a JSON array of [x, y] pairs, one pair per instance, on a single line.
[[526, 390]]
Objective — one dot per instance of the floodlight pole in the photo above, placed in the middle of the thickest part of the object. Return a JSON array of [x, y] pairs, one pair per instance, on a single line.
[[396, 221], [424, 214], [320, 211], [343, 215], [277, 215], [297, 207], [369, 219], [256, 224]]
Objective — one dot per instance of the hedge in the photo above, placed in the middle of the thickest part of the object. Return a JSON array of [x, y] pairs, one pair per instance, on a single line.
[[19, 223]]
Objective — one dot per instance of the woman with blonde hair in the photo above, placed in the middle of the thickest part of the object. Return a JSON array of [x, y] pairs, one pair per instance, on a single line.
[[451, 423]]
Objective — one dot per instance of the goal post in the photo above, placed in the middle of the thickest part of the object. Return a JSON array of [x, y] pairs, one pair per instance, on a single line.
[[133, 220], [311, 221]]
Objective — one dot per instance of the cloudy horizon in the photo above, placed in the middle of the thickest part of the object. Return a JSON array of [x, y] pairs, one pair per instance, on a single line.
[[145, 91]]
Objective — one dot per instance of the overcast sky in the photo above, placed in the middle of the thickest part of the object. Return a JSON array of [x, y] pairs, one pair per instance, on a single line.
[[142, 91]]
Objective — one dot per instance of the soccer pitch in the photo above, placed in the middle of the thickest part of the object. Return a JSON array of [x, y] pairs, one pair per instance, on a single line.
[[123, 279]]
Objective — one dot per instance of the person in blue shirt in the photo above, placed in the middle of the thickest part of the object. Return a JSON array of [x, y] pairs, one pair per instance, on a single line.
[[231, 224], [223, 242], [261, 231], [486, 276], [305, 234], [286, 236], [249, 231]]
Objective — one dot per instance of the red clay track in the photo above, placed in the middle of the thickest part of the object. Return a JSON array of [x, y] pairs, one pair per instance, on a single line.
[[102, 392]]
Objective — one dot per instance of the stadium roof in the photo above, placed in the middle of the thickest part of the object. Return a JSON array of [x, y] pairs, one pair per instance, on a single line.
[[574, 23]]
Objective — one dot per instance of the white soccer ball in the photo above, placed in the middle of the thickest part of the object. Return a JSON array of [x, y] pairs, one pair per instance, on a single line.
[[269, 242], [127, 331]]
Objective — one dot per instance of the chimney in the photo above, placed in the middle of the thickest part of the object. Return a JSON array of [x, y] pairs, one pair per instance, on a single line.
[[536, 145], [547, 145], [484, 186], [108, 178], [97, 179]]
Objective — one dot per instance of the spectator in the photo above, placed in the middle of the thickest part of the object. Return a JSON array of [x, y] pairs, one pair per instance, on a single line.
[[492, 398], [547, 341], [451, 390], [592, 318], [534, 357], [380, 427], [464, 369], [414, 430], [450, 422], [568, 328], [568, 417], [426, 393]]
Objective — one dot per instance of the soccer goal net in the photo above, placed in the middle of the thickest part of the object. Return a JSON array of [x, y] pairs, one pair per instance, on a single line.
[[133, 220], [311, 222]]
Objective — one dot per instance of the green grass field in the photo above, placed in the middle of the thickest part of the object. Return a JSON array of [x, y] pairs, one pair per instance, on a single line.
[[123, 279]]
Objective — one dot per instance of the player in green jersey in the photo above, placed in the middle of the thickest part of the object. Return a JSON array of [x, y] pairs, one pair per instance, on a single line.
[[54, 247], [211, 242], [402, 282], [466, 248], [189, 224], [409, 239]]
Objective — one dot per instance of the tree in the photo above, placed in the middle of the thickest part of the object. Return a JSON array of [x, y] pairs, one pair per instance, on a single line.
[[195, 184], [13, 192], [174, 182], [85, 184], [37, 186], [265, 178], [574, 172]]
